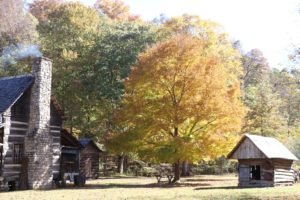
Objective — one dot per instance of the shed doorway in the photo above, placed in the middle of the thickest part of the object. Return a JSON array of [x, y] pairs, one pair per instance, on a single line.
[[254, 172]]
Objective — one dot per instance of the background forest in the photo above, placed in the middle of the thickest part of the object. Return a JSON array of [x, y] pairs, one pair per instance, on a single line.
[[101, 53]]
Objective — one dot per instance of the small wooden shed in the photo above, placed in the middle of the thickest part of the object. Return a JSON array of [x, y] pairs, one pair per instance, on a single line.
[[70, 151], [263, 162], [89, 158]]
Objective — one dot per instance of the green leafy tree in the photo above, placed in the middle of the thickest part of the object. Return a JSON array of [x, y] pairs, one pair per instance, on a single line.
[[92, 56], [286, 83], [256, 68], [263, 116], [114, 53], [68, 38], [263, 101]]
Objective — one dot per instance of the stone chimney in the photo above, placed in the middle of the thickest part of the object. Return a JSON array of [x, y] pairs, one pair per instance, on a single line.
[[38, 142]]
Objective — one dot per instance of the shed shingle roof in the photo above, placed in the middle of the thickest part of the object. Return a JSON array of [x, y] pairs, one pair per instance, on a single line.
[[86, 141], [11, 88], [270, 147]]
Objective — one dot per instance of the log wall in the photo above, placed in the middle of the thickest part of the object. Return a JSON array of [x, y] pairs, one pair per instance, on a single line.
[[15, 130], [17, 125], [274, 172], [266, 173], [283, 172]]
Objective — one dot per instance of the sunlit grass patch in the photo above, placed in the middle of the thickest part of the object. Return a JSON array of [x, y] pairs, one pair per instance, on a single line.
[[136, 188]]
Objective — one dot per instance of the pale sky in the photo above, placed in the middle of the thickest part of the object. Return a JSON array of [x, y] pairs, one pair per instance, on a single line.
[[272, 26]]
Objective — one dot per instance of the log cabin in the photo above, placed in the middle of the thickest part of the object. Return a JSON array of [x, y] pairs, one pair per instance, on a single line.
[[30, 128], [263, 162], [89, 158]]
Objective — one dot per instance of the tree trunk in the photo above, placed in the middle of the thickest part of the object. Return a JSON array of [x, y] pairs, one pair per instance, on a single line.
[[125, 164], [177, 164], [185, 169], [121, 164], [176, 171]]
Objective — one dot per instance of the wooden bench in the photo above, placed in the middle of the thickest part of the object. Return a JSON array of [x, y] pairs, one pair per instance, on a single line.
[[168, 176]]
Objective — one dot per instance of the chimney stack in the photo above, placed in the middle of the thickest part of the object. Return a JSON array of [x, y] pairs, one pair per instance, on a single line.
[[38, 142]]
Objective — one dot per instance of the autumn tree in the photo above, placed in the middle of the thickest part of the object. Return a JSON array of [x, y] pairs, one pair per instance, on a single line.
[[192, 25], [182, 102], [42, 8], [115, 9]]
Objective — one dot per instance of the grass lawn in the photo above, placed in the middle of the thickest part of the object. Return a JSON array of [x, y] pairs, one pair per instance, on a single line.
[[198, 187]]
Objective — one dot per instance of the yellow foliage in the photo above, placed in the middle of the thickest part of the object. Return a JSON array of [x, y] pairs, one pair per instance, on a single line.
[[69, 55], [182, 100]]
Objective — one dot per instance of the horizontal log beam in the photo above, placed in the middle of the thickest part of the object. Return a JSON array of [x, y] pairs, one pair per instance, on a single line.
[[19, 122]]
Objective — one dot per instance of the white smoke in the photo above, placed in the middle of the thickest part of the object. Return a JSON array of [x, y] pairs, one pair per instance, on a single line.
[[13, 53]]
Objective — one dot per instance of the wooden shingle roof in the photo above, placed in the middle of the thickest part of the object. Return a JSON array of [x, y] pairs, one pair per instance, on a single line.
[[258, 145], [12, 88]]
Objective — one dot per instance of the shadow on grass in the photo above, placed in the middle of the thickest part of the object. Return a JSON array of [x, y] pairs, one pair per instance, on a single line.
[[196, 183], [218, 188], [128, 186], [116, 177], [205, 179]]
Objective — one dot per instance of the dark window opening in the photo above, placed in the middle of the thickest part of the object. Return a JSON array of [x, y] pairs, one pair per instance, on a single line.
[[1, 146], [18, 153], [254, 172], [11, 185], [18, 109]]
